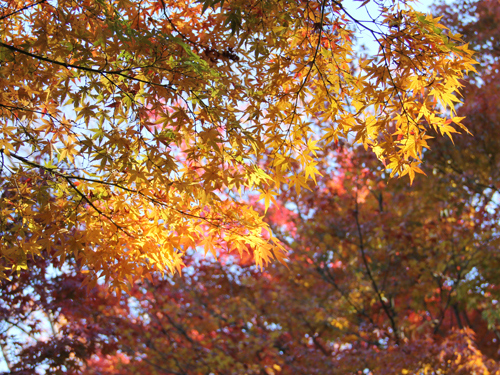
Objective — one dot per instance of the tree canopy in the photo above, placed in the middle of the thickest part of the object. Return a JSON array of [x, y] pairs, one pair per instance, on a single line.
[[133, 131], [381, 277]]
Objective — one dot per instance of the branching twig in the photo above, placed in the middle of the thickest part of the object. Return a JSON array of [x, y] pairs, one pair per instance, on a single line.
[[387, 309]]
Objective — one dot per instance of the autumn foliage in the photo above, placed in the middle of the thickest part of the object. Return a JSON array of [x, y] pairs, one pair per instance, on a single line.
[[380, 276], [133, 132]]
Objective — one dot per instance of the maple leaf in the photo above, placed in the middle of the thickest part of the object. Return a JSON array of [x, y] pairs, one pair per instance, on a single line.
[[143, 118]]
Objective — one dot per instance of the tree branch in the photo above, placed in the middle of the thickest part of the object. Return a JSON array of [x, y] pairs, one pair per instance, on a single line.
[[387, 309], [21, 9]]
